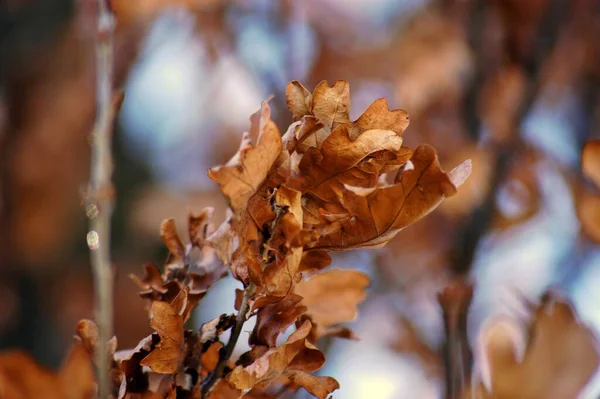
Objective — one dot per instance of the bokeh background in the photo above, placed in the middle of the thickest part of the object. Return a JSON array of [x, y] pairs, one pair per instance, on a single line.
[[511, 84]]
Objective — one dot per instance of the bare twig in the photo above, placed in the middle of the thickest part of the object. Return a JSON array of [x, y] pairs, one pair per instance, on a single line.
[[475, 228], [227, 351], [101, 192], [250, 290], [455, 300]]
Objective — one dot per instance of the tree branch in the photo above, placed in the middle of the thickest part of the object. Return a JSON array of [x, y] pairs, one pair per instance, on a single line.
[[475, 228], [227, 351], [100, 207]]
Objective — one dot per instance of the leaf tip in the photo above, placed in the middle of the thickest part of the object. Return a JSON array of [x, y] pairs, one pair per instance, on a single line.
[[461, 173]]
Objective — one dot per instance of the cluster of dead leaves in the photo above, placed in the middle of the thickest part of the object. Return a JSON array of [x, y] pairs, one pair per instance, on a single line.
[[328, 183]]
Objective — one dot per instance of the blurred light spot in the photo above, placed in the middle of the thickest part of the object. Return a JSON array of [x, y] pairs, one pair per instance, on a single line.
[[512, 199], [93, 241], [91, 211], [551, 128]]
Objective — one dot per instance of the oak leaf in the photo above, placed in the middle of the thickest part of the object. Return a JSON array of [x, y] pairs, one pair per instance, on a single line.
[[294, 357], [368, 218], [332, 298], [274, 316], [242, 176], [555, 359], [168, 355], [590, 161], [588, 210]]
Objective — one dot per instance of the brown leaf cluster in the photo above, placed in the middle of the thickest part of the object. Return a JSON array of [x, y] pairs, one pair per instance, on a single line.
[[329, 183]]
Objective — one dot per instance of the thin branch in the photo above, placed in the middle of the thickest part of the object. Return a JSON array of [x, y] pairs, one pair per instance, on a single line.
[[227, 351], [250, 290], [477, 225], [455, 301], [101, 193]]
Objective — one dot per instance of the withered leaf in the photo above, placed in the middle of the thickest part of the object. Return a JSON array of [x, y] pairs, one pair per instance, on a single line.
[[298, 99], [332, 297], [314, 261], [152, 280], [341, 160], [87, 333], [375, 216], [211, 330], [168, 233], [588, 210], [167, 356], [319, 387], [198, 226], [590, 161], [296, 354], [274, 316], [22, 378], [559, 356], [242, 176], [331, 106]]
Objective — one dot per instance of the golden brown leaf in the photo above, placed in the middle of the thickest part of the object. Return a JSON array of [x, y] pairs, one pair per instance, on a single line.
[[588, 210], [167, 356], [198, 226], [274, 316], [373, 217], [22, 378], [296, 354], [558, 358], [241, 177], [331, 105], [590, 161], [168, 233], [319, 387], [298, 99], [332, 297], [341, 160], [77, 374]]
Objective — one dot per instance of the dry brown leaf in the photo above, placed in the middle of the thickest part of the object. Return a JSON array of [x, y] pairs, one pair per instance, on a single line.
[[211, 330], [241, 177], [168, 233], [588, 210], [332, 297], [558, 358], [295, 355], [87, 333], [168, 355], [373, 217], [331, 108], [319, 387], [341, 160], [198, 226], [77, 374], [298, 99], [22, 378], [279, 276], [274, 316], [590, 161]]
